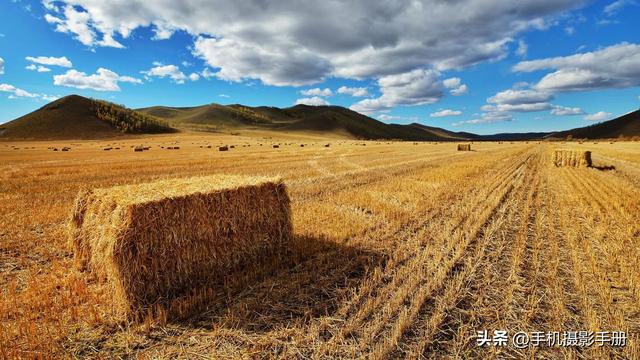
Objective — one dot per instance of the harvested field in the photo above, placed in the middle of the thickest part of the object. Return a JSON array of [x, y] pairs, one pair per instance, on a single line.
[[395, 253]]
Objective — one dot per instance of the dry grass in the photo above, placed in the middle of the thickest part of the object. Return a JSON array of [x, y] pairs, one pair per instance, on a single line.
[[158, 245], [396, 253], [572, 158]]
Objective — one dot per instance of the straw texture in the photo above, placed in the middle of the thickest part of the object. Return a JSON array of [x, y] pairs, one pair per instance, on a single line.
[[572, 158], [464, 147], [157, 242]]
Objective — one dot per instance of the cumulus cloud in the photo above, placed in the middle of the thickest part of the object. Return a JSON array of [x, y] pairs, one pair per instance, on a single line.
[[38, 68], [517, 97], [15, 93], [616, 66], [84, 26], [446, 112], [169, 71], [317, 92], [279, 43], [455, 86], [313, 101], [599, 116], [566, 111], [353, 91], [1, 66], [102, 80], [50, 61], [417, 87]]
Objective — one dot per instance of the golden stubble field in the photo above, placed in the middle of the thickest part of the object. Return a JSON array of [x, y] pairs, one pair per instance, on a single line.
[[404, 250]]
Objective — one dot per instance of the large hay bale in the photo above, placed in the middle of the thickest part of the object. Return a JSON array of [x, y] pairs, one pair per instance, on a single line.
[[464, 147], [157, 243], [573, 158]]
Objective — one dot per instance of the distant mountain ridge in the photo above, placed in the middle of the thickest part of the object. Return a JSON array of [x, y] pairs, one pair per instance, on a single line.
[[77, 117]]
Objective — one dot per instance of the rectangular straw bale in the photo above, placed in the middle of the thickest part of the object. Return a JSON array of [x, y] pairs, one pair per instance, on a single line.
[[160, 241], [464, 147], [571, 158]]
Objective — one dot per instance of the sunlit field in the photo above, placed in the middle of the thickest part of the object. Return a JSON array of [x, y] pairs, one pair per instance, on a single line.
[[402, 250]]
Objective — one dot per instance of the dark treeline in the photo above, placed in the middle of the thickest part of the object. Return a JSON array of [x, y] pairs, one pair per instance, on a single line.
[[127, 120]]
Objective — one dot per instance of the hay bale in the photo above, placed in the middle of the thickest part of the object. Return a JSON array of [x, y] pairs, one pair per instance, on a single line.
[[223, 148], [66, 148], [464, 147], [154, 245], [572, 158], [327, 145], [276, 146], [138, 148]]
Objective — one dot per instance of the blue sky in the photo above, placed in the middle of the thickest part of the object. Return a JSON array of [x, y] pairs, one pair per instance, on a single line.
[[477, 66]]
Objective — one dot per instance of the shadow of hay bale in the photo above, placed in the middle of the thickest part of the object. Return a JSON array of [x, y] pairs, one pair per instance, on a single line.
[[604, 167], [316, 276]]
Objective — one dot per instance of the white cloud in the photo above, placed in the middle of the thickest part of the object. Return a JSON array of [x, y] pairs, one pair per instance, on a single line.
[[279, 43], [570, 30], [486, 118], [207, 74], [616, 66], [239, 61], [354, 91], [224, 96], [84, 27], [317, 92], [162, 71], [446, 112], [15, 93], [194, 77], [517, 97], [522, 48], [456, 86], [417, 87], [50, 60], [1, 66], [566, 111], [387, 118], [313, 101], [38, 68], [618, 5], [599, 116], [102, 80]]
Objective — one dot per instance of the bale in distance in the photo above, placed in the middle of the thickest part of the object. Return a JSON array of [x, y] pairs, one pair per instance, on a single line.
[[138, 149], [160, 245], [464, 147], [223, 148], [571, 158], [276, 146]]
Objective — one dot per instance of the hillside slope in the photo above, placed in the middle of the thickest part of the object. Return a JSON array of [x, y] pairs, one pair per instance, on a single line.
[[627, 125], [300, 118], [77, 117]]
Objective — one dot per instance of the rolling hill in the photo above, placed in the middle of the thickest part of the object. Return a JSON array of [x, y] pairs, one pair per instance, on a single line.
[[627, 125], [300, 118], [77, 117]]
